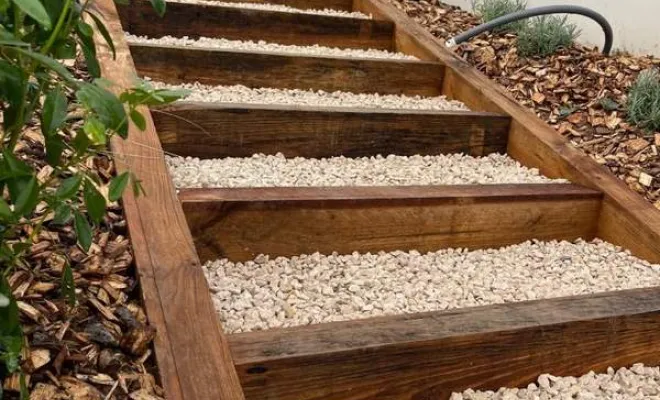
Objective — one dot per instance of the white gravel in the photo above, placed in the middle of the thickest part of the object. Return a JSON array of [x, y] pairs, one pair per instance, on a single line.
[[635, 383], [261, 46], [282, 292], [276, 170], [277, 7], [297, 97]]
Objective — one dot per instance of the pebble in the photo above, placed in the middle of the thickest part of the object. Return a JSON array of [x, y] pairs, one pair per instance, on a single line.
[[315, 288], [277, 7], [262, 46], [277, 171], [638, 382], [297, 97]]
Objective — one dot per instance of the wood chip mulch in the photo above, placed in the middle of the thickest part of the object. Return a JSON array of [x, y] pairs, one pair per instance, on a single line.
[[100, 349], [578, 91]]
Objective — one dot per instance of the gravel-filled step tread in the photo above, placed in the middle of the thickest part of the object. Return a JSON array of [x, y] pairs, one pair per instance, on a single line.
[[277, 7], [320, 98], [176, 64], [392, 170], [281, 292], [262, 46], [241, 130], [198, 20]]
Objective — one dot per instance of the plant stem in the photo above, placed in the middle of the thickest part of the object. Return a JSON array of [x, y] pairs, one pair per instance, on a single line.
[[56, 32]]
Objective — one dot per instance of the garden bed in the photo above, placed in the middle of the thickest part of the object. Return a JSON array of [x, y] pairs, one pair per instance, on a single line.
[[578, 91]]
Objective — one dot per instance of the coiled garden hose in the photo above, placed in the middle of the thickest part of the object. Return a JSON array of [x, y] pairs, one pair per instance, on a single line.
[[534, 12]]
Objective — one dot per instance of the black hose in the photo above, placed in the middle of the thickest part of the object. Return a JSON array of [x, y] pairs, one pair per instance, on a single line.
[[534, 12]]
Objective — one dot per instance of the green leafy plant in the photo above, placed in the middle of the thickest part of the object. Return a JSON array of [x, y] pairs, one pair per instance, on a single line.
[[644, 100], [76, 119], [488, 10], [545, 35]]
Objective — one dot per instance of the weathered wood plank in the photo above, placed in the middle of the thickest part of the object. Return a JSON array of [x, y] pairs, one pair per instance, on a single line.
[[240, 224], [241, 130], [195, 20], [341, 5], [626, 219], [284, 71], [192, 353], [430, 355]]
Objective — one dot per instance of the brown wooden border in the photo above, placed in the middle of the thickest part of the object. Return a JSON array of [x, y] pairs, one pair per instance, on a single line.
[[191, 349]]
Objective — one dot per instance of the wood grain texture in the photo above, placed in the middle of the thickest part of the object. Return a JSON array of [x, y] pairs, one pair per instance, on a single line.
[[195, 20], [191, 350], [428, 356], [284, 71], [240, 224], [341, 5], [241, 130], [626, 218]]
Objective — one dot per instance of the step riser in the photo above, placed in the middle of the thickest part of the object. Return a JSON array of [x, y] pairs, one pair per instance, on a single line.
[[240, 224], [243, 130], [242, 24], [255, 70]]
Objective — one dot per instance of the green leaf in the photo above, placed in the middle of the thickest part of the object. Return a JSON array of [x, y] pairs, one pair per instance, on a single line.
[[69, 187], [50, 63], [81, 142], [5, 212], [4, 5], [159, 6], [63, 214], [54, 148], [65, 49], [117, 186], [107, 106], [7, 38], [28, 198], [11, 334], [138, 119], [36, 10], [54, 111], [104, 32], [94, 201], [68, 285], [95, 131], [83, 230], [86, 35]]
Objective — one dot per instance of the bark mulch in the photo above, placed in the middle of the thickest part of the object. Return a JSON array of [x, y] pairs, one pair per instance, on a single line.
[[578, 91], [100, 349]]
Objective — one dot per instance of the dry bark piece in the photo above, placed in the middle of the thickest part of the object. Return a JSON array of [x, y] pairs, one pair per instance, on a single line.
[[44, 391], [79, 390], [138, 340]]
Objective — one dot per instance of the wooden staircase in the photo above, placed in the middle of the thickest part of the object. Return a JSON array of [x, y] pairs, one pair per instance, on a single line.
[[417, 356]]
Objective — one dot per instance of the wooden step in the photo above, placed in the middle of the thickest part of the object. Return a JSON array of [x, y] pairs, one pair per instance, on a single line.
[[431, 355], [240, 224], [339, 5], [240, 130], [195, 20], [175, 64]]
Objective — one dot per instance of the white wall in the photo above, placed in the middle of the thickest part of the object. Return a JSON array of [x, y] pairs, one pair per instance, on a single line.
[[635, 22]]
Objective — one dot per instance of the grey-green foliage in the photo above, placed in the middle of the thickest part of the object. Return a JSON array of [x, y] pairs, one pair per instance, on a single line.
[[644, 100], [491, 9], [545, 35]]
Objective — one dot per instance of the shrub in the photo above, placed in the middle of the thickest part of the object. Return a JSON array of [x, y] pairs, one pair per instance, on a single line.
[[644, 100], [545, 35], [491, 9], [77, 118]]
